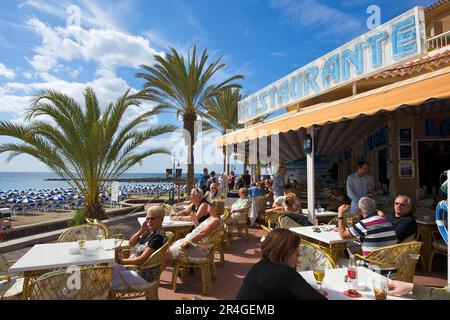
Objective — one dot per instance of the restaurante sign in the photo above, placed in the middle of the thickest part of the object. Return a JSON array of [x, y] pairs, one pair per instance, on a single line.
[[401, 39]]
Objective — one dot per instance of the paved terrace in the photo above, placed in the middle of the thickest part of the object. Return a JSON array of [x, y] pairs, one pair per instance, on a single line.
[[239, 259]]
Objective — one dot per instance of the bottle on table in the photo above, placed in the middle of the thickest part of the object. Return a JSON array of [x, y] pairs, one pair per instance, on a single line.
[[352, 277]]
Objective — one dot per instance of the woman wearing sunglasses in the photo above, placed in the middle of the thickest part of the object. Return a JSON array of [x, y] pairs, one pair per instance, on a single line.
[[149, 238], [197, 211]]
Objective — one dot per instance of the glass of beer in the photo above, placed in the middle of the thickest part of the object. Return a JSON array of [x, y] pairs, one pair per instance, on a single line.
[[380, 287], [319, 274], [82, 243]]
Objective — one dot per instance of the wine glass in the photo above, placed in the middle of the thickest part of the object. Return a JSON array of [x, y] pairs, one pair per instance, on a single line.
[[100, 237], [319, 274], [82, 243]]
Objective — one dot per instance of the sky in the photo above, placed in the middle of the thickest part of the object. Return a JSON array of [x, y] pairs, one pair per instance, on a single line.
[[263, 40]]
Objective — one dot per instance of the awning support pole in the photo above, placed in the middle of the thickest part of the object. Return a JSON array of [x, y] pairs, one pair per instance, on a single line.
[[310, 178]]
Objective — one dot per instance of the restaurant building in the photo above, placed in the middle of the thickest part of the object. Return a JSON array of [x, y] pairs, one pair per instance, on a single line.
[[383, 97]]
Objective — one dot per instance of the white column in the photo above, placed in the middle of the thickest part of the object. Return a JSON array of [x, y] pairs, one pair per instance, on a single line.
[[310, 178]]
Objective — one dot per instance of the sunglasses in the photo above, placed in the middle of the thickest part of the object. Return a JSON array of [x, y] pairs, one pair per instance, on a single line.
[[400, 204], [151, 218]]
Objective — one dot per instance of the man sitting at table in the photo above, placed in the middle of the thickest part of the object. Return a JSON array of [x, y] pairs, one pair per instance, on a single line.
[[402, 219], [149, 238], [213, 192], [373, 231]]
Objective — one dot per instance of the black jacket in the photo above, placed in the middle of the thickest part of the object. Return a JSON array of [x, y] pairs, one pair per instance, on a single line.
[[271, 281], [404, 226]]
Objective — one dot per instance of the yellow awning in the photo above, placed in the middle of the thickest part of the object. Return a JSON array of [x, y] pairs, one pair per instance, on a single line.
[[412, 91]]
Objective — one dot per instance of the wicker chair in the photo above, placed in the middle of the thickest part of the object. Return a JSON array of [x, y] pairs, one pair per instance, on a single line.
[[88, 230], [312, 255], [285, 222], [240, 226], [94, 285], [438, 247], [15, 287], [150, 291], [402, 256], [206, 264], [5, 284], [118, 236]]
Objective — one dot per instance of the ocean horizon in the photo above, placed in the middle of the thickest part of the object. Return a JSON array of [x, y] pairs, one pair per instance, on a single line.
[[37, 180]]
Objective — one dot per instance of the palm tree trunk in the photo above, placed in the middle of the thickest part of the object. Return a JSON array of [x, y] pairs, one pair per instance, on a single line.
[[189, 126]]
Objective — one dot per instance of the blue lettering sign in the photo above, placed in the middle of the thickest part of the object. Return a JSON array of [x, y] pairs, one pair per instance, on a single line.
[[374, 42], [296, 87], [331, 71], [404, 38], [310, 80], [283, 93], [431, 131], [355, 58]]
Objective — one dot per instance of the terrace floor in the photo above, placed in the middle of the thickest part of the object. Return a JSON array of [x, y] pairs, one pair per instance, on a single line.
[[239, 259]]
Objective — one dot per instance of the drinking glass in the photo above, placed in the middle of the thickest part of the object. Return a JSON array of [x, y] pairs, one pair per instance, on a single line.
[[100, 237], [380, 287], [82, 243], [319, 274]]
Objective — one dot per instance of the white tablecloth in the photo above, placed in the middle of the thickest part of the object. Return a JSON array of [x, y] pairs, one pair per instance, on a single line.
[[334, 284], [168, 223], [56, 255], [322, 214], [329, 237]]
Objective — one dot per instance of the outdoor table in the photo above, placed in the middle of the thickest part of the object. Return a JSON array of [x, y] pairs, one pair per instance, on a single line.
[[334, 284], [424, 230], [179, 228], [329, 240], [43, 258], [324, 216]]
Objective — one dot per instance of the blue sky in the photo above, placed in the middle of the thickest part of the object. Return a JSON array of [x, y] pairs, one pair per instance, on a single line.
[[262, 40]]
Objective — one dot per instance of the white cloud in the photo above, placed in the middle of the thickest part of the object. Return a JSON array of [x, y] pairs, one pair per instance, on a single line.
[[313, 15], [110, 49], [27, 75], [6, 73]]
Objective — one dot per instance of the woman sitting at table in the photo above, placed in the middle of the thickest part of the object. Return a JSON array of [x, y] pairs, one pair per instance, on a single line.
[[289, 205], [274, 277], [197, 211], [149, 238], [191, 243], [239, 209]]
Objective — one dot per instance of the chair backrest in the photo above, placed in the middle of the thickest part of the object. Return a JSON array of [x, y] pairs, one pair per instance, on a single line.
[[167, 209], [403, 256], [4, 265], [219, 205], [312, 255], [88, 230], [212, 240], [5, 283], [410, 238], [285, 222], [93, 284]]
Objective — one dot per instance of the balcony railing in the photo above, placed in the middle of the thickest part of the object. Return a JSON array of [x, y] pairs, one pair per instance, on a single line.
[[438, 41]]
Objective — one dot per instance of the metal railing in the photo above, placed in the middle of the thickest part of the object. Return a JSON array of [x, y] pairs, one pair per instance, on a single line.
[[439, 41]]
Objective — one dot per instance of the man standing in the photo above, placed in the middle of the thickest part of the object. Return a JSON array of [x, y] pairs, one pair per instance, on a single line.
[[203, 179], [403, 221], [279, 183], [247, 179], [359, 185]]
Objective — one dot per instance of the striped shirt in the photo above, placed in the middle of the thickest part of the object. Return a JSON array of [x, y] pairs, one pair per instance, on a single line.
[[374, 232]]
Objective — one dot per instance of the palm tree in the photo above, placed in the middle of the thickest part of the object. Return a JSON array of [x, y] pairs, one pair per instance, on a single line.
[[83, 145], [184, 85], [221, 111]]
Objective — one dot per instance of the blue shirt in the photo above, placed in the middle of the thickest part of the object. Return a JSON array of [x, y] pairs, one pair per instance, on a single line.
[[254, 192]]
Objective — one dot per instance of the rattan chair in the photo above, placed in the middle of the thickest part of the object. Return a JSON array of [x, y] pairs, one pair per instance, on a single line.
[[240, 226], [312, 255], [88, 230], [438, 247], [16, 281], [150, 291], [94, 283], [402, 256], [5, 284], [121, 242], [206, 265], [286, 222]]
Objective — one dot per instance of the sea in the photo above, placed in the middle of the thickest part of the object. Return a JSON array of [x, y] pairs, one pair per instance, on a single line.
[[37, 180]]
